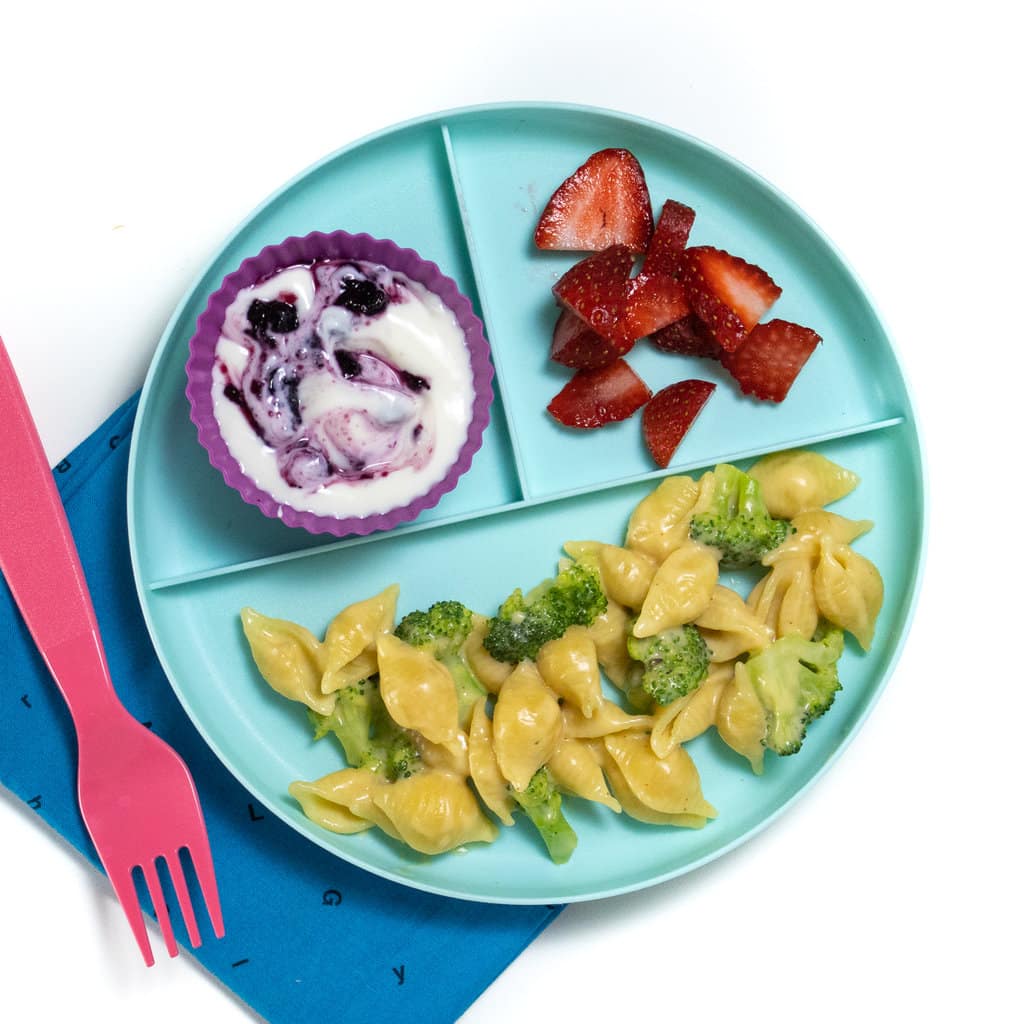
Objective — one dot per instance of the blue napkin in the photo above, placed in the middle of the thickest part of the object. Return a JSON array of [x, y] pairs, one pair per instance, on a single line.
[[309, 938]]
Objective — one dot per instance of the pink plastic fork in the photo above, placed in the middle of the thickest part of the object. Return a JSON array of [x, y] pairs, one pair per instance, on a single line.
[[137, 797]]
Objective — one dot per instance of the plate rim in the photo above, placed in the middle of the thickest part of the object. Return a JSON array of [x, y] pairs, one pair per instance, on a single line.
[[911, 423]]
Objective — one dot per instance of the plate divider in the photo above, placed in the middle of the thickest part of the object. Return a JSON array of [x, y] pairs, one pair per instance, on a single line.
[[260, 563], [485, 309]]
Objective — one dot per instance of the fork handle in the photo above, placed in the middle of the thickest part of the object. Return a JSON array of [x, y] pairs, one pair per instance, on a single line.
[[40, 562]]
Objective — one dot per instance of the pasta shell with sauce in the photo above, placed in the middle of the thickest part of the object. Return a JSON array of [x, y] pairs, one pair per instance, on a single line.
[[680, 591], [795, 481], [569, 666], [353, 631], [434, 812], [668, 785], [687, 717], [483, 765], [577, 770], [418, 690], [849, 591], [527, 725], [289, 658]]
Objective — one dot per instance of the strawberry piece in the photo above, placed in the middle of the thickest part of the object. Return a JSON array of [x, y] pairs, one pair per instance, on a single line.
[[767, 363], [671, 233], [596, 397], [727, 293], [688, 337], [670, 413], [653, 301], [577, 345], [603, 202], [595, 289]]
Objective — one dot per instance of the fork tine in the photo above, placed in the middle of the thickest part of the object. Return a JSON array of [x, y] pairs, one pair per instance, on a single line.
[[202, 861], [184, 900], [124, 888], [156, 894]]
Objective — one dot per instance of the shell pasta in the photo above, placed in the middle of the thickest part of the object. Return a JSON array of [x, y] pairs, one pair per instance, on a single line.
[[635, 649]]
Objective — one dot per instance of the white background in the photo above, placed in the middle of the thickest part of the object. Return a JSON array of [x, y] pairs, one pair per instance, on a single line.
[[893, 889]]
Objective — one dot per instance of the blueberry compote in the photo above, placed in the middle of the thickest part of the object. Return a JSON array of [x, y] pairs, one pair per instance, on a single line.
[[342, 387]]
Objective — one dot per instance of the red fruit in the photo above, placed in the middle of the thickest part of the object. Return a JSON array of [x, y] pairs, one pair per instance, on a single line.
[[596, 397], [727, 293], [653, 301], [575, 344], [767, 363], [595, 289], [688, 337], [670, 413], [671, 233], [604, 202]]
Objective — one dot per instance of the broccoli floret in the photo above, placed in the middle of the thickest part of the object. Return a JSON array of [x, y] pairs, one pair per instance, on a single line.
[[542, 804], [367, 733], [675, 662], [736, 521], [524, 624], [796, 680], [442, 630]]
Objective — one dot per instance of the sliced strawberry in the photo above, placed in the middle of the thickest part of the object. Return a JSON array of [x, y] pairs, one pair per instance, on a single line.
[[596, 397], [688, 337], [727, 293], [671, 233], [767, 363], [577, 345], [653, 301], [595, 289], [669, 414], [604, 202]]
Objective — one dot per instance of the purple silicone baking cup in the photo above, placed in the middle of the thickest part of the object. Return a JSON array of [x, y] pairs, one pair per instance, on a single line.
[[310, 248]]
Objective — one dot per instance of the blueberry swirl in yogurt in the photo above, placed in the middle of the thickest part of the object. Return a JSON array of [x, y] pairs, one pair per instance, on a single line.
[[342, 387]]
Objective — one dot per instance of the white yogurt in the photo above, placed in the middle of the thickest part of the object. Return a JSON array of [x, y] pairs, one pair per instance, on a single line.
[[343, 410]]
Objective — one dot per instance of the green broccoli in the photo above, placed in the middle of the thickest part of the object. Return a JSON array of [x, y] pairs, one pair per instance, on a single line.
[[675, 662], [524, 624], [796, 680], [736, 521], [367, 733], [542, 804], [442, 630]]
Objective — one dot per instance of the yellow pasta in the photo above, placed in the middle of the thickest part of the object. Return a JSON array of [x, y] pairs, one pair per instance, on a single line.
[[491, 672], [795, 481], [610, 631], [661, 521], [608, 718], [431, 780], [625, 575], [288, 657], [527, 725], [577, 770], [353, 631], [812, 529], [418, 690], [730, 628], [434, 812], [342, 802], [680, 591], [849, 591], [635, 808], [741, 720], [483, 765], [687, 717], [784, 599], [569, 666], [668, 785]]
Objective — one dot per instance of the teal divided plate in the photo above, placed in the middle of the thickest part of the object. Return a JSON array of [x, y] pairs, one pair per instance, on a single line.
[[464, 189]]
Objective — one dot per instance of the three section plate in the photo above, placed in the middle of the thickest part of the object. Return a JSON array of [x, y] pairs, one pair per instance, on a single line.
[[464, 189]]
